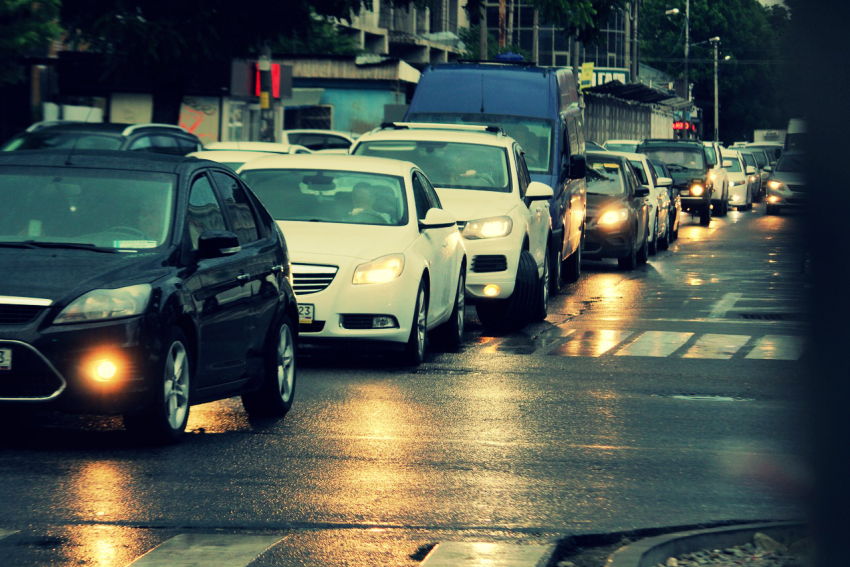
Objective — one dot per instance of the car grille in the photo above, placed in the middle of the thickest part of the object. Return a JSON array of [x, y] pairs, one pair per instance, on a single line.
[[308, 278], [31, 377], [489, 263], [356, 321], [314, 327], [797, 188], [18, 314]]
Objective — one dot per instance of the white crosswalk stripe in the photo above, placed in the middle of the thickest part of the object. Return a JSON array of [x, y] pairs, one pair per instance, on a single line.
[[6, 533], [778, 347], [655, 343], [207, 550], [717, 346]]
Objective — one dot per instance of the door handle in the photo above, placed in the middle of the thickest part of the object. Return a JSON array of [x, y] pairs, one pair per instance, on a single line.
[[277, 268], [243, 277]]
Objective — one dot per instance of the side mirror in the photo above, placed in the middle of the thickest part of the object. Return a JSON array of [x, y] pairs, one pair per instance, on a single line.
[[538, 192], [751, 170], [218, 243], [664, 182], [768, 168], [576, 169], [437, 218], [642, 191], [727, 163]]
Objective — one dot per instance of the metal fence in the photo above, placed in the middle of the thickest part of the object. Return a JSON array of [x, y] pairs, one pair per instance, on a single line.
[[610, 118]]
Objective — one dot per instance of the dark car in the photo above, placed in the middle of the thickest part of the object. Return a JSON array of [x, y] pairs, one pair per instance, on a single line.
[[786, 186], [151, 138], [754, 178], [617, 211], [140, 285], [661, 170], [689, 165]]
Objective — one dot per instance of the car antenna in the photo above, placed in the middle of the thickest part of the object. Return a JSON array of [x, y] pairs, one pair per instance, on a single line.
[[74, 143], [482, 93]]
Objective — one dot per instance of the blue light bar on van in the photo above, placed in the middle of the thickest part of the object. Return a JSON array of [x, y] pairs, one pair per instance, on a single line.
[[492, 129]]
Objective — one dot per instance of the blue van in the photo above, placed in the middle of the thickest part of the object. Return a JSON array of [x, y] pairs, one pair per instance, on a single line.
[[538, 107]]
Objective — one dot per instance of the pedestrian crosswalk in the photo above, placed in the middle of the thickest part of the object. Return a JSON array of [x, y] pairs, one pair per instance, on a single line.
[[658, 344]]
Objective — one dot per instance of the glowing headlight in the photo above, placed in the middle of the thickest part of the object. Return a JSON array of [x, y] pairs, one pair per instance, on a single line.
[[381, 270], [614, 217], [102, 304], [697, 190], [736, 183], [493, 227], [774, 184], [712, 174]]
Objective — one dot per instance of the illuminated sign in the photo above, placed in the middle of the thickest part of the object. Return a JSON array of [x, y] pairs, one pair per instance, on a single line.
[[684, 125]]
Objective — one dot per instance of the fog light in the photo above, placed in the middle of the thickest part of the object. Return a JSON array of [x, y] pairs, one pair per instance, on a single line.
[[383, 322], [104, 370], [772, 199], [492, 290], [735, 198]]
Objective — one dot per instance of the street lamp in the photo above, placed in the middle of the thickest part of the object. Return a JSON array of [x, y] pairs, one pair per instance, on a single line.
[[715, 41], [675, 11]]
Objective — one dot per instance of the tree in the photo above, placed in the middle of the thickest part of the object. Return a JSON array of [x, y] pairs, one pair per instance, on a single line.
[[749, 82], [26, 26], [470, 38]]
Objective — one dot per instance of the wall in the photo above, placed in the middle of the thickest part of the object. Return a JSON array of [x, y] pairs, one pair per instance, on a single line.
[[608, 118], [359, 109]]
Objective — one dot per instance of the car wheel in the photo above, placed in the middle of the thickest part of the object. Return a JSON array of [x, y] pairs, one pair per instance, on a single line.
[[274, 397], [653, 243], [675, 224], [572, 265], [556, 270], [664, 241], [630, 261], [705, 215], [541, 303], [451, 332], [164, 419], [515, 312], [414, 350]]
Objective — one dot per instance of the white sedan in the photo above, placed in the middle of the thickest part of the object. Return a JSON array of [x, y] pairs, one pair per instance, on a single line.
[[740, 195], [375, 258], [658, 199]]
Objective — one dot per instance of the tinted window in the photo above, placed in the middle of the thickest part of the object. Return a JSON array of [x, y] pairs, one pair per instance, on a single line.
[[736, 164], [522, 173], [204, 211], [605, 177], [640, 171], [432, 194], [421, 198], [59, 140], [791, 163], [236, 202], [710, 156], [677, 159]]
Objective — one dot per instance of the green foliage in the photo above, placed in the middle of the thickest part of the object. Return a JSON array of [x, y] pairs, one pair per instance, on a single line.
[[26, 26], [319, 37], [471, 39]]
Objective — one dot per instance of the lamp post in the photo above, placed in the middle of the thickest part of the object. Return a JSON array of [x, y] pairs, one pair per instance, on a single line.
[[687, 44], [715, 41]]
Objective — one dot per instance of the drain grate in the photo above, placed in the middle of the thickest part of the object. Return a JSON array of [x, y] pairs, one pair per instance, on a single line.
[[763, 316]]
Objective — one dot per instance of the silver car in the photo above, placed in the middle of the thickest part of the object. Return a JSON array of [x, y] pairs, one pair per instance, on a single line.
[[786, 186]]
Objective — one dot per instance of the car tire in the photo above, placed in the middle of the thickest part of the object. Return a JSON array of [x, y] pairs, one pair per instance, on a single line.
[[664, 241], [541, 301], [677, 219], [556, 270], [450, 333], [515, 312], [705, 215], [275, 394], [630, 261], [163, 421], [571, 268], [417, 342], [653, 244]]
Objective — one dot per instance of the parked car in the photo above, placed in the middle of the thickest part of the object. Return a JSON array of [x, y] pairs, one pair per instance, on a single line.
[[539, 108], [687, 162], [675, 199], [375, 257], [317, 140], [787, 186], [719, 179], [617, 211], [658, 200], [231, 158], [628, 146], [71, 135], [756, 187], [763, 164], [740, 196], [481, 178], [267, 147], [140, 285], [593, 146], [772, 149]]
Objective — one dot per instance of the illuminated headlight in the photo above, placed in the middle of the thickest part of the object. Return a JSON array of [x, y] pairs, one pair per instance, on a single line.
[[493, 227], [736, 183], [102, 304], [736, 198], [697, 190], [776, 185], [712, 175], [773, 199], [381, 270], [614, 217]]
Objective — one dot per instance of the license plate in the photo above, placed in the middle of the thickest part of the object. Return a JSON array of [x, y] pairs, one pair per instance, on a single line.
[[5, 359], [305, 313]]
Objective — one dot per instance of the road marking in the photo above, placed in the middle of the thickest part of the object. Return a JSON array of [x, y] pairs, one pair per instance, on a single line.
[[717, 346], [207, 550], [778, 347], [726, 304], [591, 343], [474, 554], [7, 533], [655, 343]]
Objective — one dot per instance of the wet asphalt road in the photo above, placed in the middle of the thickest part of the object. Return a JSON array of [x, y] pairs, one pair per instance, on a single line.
[[653, 398]]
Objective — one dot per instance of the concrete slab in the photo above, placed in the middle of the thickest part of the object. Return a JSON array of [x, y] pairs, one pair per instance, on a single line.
[[482, 554]]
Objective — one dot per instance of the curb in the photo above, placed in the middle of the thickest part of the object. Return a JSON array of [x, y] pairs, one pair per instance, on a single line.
[[652, 551]]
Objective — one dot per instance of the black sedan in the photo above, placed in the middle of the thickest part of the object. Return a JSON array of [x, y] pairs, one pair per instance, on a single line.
[[140, 284], [617, 211]]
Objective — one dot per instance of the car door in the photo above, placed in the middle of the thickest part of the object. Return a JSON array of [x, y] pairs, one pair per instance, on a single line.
[[219, 292], [437, 246], [539, 221], [637, 204]]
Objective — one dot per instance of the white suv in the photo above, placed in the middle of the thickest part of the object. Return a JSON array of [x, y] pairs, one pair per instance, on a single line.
[[481, 177]]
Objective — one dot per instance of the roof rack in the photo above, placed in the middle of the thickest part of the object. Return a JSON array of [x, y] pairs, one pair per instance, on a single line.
[[492, 129], [133, 127]]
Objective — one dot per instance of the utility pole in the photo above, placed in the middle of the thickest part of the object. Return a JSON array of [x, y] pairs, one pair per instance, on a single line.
[[715, 41], [482, 32], [687, 48], [267, 129]]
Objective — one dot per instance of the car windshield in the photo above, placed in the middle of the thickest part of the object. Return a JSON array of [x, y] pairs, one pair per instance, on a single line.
[[351, 197], [621, 147], [534, 135], [62, 140], [761, 158], [120, 210], [712, 155], [736, 164], [677, 159], [449, 165], [640, 171], [749, 159], [604, 177], [791, 163]]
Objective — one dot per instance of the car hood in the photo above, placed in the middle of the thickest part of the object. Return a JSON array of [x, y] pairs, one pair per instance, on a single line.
[[63, 275], [789, 177], [596, 203], [468, 205], [363, 241], [684, 177]]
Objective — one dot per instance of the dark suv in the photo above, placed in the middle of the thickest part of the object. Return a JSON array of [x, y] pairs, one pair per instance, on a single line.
[[63, 134], [688, 165]]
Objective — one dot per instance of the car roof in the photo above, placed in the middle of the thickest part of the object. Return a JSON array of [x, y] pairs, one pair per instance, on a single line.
[[271, 147], [115, 128], [632, 155], [341, 162], [98, 159], [622, 141], [228, 155], [319, 131], [441, 133]]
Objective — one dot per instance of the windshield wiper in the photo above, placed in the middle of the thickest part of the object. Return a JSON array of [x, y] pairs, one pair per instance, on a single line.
[[16, 245], [70, 245], [671, 167]]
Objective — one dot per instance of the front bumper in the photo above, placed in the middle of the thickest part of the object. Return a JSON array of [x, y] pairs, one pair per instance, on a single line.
[[493, 262], [606, 241], [738, 195], [787, 198]]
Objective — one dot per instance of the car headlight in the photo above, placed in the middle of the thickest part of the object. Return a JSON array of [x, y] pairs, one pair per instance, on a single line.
[[103, 304], [614, 217], [773, 184], [697, 190], [712, 175], [492, 227], [381, 270], [736, 183]]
